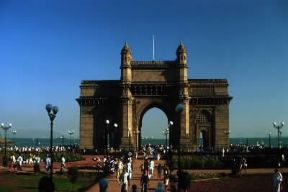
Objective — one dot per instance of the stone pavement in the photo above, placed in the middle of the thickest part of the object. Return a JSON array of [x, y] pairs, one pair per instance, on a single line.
[[114, 185], [113, 182]]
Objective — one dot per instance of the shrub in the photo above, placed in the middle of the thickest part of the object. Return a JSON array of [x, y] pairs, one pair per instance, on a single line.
[[212, 163], [5, 161], [36, 168], [196, 162], [73, 174], [184, 180]]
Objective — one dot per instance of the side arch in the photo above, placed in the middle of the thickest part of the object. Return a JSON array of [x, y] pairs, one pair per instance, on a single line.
[[204, 129]]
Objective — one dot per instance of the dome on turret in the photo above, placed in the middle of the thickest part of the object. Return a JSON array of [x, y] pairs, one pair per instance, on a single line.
[[126, 48], [181, 48]]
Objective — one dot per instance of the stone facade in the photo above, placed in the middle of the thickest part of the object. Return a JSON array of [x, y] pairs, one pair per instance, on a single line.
[[203, 105]]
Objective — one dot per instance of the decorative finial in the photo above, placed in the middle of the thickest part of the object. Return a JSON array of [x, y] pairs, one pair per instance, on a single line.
[[181, 48], [126, 48]]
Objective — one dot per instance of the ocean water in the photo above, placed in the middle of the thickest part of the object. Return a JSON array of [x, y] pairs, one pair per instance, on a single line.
[[242, 141], [67, 141], [43, 141]]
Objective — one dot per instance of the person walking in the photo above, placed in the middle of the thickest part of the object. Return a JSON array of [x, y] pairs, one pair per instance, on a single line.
[[62, 164], [124, 180], [134, 188], [151, 168], [277, 179], [103, 184], [159, 170], [19, 162], [129, 170], [166, 178], [145, 181], [48, 163], [13, 162], [159, 187]]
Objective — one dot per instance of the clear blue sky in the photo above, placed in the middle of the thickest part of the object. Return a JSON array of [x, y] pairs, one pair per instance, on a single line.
[[47, 47]]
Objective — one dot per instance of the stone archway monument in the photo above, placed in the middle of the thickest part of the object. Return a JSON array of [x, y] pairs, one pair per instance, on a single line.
[[196, 106]]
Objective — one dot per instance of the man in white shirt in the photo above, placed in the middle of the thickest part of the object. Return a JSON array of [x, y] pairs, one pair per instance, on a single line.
[[19, 162], [48, 163], [124, 179], [277, 179], [62, 164]]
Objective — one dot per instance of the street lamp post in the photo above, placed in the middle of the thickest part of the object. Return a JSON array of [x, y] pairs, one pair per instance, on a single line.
[[107, 134], [165, 133], [52, 111], [170, 124], [70, 132], [269, 139], [14, 133], [129, 137], [179, 108], [137, 138], [5, 128], [115, 127], [278, 127]]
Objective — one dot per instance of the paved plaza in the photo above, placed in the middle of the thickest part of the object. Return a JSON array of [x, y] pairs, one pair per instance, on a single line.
[[114, 185]]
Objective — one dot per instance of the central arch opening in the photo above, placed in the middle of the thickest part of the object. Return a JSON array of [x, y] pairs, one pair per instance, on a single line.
[[154, 127]]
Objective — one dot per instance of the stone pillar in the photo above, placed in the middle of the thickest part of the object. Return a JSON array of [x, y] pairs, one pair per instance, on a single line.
[[86, 128], [127, 123], [184, 119], [185, 139], [221, 126]]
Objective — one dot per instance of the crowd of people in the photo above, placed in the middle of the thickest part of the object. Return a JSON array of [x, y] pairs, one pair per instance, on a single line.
[[33, 155], [17, 161], [35, 149], [123, 168]]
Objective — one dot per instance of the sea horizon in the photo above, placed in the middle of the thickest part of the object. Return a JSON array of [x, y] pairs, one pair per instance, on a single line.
[[45, 141]]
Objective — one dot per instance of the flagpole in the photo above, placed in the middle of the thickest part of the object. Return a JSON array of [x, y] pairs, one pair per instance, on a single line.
[[153, 49]]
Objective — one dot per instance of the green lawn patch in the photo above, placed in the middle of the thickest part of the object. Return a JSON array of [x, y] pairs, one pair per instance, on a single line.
[[29, 182]]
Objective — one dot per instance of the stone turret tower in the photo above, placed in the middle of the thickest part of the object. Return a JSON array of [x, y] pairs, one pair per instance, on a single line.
[[126, 96], [183, 93], [126, 58], [182, 62]]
